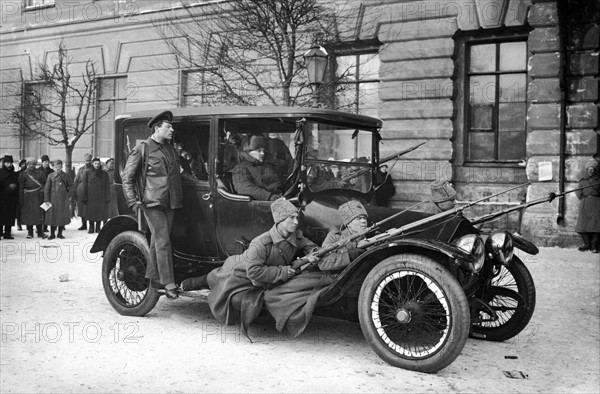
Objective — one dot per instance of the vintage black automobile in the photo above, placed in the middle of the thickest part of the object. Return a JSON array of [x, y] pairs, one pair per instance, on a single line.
[[417, 295]]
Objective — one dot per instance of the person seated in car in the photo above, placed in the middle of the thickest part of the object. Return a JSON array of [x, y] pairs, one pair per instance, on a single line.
[[443, 198], [253, 176], [354, 221]]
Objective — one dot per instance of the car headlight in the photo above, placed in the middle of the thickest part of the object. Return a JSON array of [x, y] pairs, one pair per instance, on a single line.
[[500, 246], [473, 244]]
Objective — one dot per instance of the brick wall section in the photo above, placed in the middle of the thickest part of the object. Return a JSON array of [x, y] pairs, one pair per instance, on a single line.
[[543, 141]]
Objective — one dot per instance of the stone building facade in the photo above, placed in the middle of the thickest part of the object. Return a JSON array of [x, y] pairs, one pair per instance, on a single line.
[[504, 91]]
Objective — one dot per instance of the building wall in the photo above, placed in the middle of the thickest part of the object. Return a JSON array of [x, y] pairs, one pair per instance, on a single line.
[[418, 79]]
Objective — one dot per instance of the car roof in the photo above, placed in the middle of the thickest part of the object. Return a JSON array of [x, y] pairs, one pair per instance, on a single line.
[[266, 111]]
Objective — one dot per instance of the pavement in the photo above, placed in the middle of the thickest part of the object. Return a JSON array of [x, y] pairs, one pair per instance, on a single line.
[[60, 334]]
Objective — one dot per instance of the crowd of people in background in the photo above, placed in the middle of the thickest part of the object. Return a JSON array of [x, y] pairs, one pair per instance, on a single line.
[[42, 198]]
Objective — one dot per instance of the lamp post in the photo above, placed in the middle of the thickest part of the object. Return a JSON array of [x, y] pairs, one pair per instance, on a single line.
[[315, 60]]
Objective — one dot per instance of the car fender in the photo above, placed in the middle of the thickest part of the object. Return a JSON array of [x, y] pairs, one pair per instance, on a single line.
[[111, 229], [363, 264]]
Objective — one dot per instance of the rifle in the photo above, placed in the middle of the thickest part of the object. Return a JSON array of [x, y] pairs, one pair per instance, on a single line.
[[382, 161], [398, 231], [301, 263], [550, 197]]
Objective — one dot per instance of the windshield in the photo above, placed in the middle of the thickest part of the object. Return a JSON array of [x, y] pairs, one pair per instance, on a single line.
[[338, 158]]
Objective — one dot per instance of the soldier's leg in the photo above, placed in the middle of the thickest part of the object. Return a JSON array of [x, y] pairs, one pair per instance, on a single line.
[[586, 242], [160, 221], [595, 242], [52, 232], [29, 230], [60, 230]]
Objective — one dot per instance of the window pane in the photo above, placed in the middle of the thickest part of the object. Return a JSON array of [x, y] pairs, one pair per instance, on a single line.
[[368, 99], [512, 116], [346, 67], [512, 88], [511, 145], [513, 56], [483, 58], [481, 146], [481, 117], [482, 89], [369, 66]]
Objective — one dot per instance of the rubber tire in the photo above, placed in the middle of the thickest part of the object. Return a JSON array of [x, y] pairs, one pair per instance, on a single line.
[[151, 297], [457, 304], [519, 320]]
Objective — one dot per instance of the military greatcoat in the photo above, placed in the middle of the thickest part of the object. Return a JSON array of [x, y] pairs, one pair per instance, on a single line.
[[31, 196], [79, 187], [9, 196], [588, 220], [59, 188], [96, 195], [244, 279]]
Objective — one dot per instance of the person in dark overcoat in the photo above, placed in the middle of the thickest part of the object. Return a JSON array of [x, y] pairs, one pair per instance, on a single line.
[[47, 171], [22, 168], [588, 220], [385, 187], [57, 191], [253, 176], [79, 189], [112, 206], [96, 195], [9, 196], [31, 196]]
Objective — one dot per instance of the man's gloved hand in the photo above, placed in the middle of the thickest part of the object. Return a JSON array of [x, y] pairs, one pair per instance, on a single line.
[[355, 252]]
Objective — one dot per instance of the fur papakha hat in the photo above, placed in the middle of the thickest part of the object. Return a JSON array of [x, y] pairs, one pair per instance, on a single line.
[[351, 210], [442, 191], [281, 209], [257, 142], [591, 163]]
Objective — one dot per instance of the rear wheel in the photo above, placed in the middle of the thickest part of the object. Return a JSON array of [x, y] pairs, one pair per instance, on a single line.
[[414, 313], [511, 295], [123, 275]]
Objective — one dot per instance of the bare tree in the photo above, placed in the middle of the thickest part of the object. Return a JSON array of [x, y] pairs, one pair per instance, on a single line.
[[247, 52], [59, 105]]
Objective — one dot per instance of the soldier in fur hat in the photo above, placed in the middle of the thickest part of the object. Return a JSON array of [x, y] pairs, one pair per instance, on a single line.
[[443, 197], [354, 220], [241, 284]]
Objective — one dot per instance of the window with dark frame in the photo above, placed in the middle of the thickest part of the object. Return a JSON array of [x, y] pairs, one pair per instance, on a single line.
[[495, 99], [196, 88], [357, 83]]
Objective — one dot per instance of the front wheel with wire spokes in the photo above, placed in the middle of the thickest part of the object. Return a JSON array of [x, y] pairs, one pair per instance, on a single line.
[[124, 275], [414, 313], [510, 294]]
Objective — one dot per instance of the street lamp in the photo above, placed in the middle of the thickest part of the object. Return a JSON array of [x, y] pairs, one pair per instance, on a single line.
[[315, 60]]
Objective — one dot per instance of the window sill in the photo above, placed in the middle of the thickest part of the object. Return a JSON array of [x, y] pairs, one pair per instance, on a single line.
[[498, 163]]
